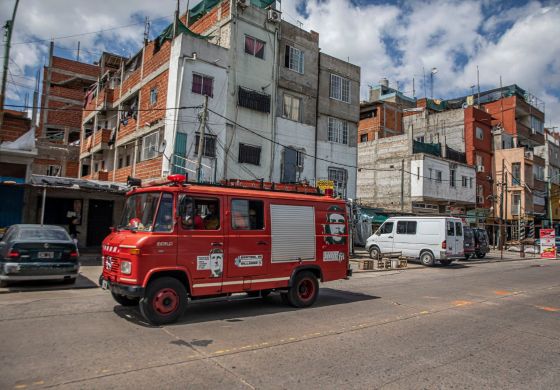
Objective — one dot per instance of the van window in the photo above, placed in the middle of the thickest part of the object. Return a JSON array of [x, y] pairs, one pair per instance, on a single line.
[[459, 228], [450, 228], [406, 227], [247, 214], [387, 228]]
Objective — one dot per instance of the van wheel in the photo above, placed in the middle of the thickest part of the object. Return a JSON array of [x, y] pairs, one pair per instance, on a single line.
[[374, 253], [304, 291], [446, 262], [123, 300], [164, 302], [426, 258]]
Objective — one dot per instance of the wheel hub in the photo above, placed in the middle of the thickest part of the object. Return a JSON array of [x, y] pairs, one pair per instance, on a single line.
[[165, 301], [306, 289]]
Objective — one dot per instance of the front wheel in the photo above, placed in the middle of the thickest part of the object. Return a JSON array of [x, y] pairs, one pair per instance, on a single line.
[[164, 302], [374, 253], [123, 300], [304, 290]]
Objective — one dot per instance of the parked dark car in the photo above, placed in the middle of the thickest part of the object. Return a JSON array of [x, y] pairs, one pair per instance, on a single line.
[[481, 247], [37, 252], [468, 242]]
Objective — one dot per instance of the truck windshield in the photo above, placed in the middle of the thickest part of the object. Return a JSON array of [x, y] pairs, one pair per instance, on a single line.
[[139, 211]]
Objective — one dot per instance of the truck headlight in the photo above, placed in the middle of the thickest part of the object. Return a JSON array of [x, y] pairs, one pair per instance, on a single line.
[[126, 267]]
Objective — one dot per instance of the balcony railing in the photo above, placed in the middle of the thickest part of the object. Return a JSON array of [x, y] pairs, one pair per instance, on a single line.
[[455, 155], [422, 147]]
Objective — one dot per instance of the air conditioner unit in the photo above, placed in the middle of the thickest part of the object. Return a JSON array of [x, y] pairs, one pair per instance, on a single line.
[[533, 131], [274, 16], [244, 3], [480, 168]]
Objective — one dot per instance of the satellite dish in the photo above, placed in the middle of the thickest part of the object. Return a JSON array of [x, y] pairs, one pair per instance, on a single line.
[[162, 146]]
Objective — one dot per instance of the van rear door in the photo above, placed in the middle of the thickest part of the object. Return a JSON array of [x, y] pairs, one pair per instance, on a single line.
[[459, 239], [450, 237]]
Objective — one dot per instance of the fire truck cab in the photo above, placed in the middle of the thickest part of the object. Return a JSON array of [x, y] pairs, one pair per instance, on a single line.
[[179, 241]]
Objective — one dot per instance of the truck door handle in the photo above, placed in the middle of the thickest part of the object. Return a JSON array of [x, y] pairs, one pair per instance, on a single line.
[[262, 243], [390, 237], [217, 244]]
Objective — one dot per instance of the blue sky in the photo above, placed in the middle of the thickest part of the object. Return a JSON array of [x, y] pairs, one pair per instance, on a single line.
[[399, 40]]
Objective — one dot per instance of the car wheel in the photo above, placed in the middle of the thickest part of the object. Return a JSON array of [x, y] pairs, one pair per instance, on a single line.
[[446, 262], [164, 302], [3, 283], [69, 281], [374, 252], [304, 290], [480, 255], [123, 300], [426, 258], [467, 257]]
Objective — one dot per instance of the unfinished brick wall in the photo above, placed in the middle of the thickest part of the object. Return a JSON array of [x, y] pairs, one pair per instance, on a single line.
[[122, 174], [152, 112], [64, 114], [149, 169], [14, 126], [211, 18], [72, 168]]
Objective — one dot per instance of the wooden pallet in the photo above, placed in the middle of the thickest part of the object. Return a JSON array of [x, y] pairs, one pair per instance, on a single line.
[[365, 264]]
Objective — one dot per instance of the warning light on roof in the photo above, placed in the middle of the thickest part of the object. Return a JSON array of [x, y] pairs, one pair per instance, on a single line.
[[177, 178]]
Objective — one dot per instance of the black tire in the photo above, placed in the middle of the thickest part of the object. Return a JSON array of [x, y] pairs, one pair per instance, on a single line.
[[164, 301], [427, 258], [480, 255], [467, 257], [445, 262], [374, 252], [123, 300], [304, 290], [3, 283], [69, 281]]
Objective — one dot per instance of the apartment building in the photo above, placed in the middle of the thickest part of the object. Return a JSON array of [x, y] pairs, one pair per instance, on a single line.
[[286, 104], [400, 174], [65, 84]]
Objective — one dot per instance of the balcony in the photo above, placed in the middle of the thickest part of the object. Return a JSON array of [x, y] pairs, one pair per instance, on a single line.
[[102, 138], [101, 175], [423, 147], [86, 145]]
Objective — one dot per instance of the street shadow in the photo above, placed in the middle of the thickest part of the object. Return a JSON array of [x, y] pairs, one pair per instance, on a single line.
[[238, 307], [82, 282]]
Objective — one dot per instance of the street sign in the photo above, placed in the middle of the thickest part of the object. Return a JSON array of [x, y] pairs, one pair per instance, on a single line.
[[548, 243], [325, 184]]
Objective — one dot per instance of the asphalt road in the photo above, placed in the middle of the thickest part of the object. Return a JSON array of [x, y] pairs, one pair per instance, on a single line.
[[475, 326]]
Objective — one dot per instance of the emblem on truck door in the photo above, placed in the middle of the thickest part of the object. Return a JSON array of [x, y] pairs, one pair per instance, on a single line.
[[335, 226], [165, 243]]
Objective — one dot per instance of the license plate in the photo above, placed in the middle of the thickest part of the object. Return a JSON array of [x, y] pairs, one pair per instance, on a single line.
[[46, 255], [104, 284]]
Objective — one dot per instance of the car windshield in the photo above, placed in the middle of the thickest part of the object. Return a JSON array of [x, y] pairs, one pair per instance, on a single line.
[[40, 234], [139, 211]]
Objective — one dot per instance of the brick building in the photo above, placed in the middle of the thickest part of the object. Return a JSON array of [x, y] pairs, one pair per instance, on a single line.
[[65, 83]]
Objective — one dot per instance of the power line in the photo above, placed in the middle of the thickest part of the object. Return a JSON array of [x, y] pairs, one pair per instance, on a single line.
[[93, 110]]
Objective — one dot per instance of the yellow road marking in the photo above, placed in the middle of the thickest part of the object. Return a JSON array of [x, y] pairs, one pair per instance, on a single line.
[[22, 386], [39, 383], [425, 312], [548, 308], [502, 292], [462, 303]]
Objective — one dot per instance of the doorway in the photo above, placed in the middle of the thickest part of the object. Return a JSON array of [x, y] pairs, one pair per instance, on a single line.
[[100, 219]]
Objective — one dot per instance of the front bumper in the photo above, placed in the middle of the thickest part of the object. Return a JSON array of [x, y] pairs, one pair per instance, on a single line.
[[121, 289]]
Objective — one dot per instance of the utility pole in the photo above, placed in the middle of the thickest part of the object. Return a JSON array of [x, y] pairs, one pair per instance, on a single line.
[[549, 190], [201, 140], [501, 241], [9, 26], [402, 185], [175, 20]]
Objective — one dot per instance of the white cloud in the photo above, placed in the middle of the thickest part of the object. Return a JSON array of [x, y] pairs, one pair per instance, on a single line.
[[427, 33]]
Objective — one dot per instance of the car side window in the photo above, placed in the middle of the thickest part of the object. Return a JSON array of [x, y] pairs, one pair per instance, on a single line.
[[247, 214], [387, 228], [199, 213], [406, 227]]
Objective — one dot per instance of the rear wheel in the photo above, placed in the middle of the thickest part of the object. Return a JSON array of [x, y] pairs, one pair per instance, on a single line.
[[123, 300], [304, 290], [467, 257], [446, 262], [426, 258], [374, 252], [164, 302]]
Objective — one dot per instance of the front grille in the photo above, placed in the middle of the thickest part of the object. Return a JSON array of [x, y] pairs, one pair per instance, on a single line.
[[111, 264]]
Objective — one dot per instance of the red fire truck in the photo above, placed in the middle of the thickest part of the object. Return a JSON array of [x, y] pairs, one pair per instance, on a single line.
[[179, 240]]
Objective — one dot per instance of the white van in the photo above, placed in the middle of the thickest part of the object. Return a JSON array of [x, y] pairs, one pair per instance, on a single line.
[[429, 239]]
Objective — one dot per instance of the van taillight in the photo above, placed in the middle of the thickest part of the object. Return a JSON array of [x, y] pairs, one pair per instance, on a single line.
[[13, 254], [444, 245]]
